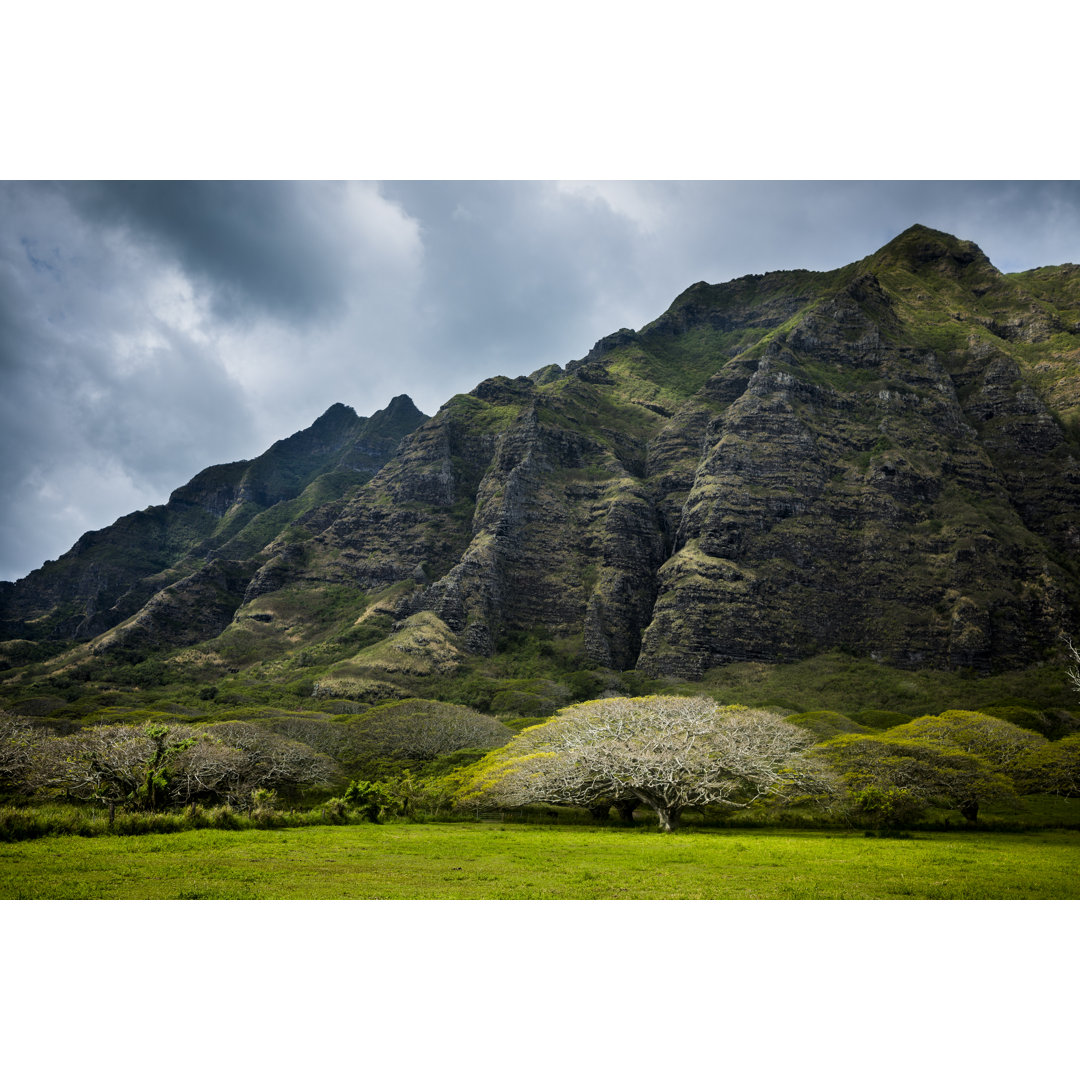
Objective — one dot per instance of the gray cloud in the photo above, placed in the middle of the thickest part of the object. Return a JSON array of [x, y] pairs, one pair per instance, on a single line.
[[275, 246], [148, 330]]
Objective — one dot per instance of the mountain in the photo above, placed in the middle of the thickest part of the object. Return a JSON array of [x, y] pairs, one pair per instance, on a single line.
[[211, 530], [882, 459]]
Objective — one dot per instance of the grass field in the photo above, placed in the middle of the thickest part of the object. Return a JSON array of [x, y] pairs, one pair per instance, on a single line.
[[523, 862]]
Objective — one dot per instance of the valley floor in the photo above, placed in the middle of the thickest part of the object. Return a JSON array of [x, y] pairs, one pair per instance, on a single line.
[[526, 862]]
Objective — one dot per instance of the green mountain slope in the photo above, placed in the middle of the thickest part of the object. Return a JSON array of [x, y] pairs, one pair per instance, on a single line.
[[883, 459], [219, 521]]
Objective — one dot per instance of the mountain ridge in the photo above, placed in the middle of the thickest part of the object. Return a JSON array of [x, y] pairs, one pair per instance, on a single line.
[[213, 513], [881, 458]]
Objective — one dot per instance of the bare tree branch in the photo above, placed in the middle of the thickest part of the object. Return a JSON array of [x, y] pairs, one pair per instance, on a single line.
[[20, 745], [669, 752], [1072, 673]]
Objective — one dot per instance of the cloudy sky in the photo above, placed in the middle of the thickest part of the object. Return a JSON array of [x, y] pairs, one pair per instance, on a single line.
[[148, 330]]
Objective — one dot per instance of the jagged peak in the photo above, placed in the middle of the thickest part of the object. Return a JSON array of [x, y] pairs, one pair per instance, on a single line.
[[400, 406], [337, 409], [400, 417], [920, 247], [336, 419], [400, 410], [607, 344]]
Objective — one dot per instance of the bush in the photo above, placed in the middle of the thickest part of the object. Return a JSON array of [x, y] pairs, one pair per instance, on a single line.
[[522, 703], [887, 807], [824, 724], [365, 797], [881, 719], [1021, 716]]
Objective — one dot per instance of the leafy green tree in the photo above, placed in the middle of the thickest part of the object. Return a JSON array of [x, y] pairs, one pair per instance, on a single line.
[[404, 793], [153, 792], [997, 741], [880, 771], [668, 752], [367, 797], [1052, 769]]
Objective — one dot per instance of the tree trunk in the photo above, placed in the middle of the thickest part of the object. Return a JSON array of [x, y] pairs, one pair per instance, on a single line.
[[626, 808], [669, 817], [970, 810], [600, 811]]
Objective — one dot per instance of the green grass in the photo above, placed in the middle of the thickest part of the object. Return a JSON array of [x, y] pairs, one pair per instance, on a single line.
[[522, 862]]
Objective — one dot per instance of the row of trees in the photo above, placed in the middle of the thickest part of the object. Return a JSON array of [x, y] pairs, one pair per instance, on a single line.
[[672, 753], [666, 753], [157, 766]]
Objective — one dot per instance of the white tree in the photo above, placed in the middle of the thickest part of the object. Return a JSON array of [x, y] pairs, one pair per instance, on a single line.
[[155, 766], [115, 764], [669, 752], [20, 742], [1073, 672], [249, 757]]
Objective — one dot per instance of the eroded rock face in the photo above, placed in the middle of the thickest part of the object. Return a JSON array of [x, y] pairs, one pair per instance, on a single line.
[[193, 609], [866, 459], [844, 485], [823, 518], [110, 574]]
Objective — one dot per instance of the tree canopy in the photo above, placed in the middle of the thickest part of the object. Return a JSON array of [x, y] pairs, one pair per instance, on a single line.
[[893, 779], [997, 741], [1052, 768], [669, 752]]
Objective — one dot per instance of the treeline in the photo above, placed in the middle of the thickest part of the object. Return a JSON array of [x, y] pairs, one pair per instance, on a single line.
[[156, 766], [671, 754], [156, 763], [610, 757]]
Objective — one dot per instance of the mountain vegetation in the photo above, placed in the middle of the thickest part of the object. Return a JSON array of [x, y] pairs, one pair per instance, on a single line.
[[844, 499]]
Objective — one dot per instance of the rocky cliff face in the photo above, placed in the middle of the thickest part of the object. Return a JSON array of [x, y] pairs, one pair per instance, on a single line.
[[883, 458], [219, 519]]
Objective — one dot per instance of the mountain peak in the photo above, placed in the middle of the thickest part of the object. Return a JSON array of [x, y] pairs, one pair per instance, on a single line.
[[398, 418], [402, 405], [336, 416], [919, 248]]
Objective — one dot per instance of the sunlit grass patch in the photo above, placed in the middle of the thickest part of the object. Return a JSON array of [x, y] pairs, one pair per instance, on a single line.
[[521, 862]]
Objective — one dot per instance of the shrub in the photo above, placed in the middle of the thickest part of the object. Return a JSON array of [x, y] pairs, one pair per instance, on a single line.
[[522, 703], [881, 719], [1052, 768], [1021, 716], [824, 724], [932, 773], [887, 807]]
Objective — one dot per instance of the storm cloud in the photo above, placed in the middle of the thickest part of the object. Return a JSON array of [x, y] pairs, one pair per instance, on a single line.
[[150, 329]]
